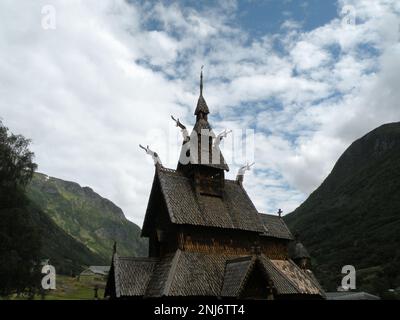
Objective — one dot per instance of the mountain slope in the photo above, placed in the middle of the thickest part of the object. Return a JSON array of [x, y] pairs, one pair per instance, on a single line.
[[87, 217], [353, 218], [67, 254]]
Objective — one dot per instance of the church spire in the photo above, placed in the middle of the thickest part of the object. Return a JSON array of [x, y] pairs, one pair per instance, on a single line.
[[201, 103], [201, 81], [206, 154]]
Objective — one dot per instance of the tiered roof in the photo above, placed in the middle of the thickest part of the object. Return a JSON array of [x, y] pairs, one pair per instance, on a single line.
[[194, 274], [190, 273], [234, 210]]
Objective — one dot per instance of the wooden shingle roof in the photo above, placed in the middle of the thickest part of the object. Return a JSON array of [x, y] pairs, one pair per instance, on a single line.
[[201, 106], [132, 275], [192, 274], [294, 277], [187, 274], [99, 270], [158, 283], [196, 274], [276, 227], [235, 275], [234, 210], [287, 278]]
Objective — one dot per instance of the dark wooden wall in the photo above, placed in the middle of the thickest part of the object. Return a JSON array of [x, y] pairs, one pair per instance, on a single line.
[[220, 241]]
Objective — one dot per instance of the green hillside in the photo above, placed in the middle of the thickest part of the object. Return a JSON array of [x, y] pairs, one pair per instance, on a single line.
[[353, 218], [67, 254], [88, 218]]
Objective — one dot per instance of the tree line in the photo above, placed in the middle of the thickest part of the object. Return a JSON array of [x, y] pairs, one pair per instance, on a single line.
[[20, 241]]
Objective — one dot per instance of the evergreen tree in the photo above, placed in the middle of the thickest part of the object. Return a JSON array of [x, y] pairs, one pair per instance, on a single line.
[[19, 240]]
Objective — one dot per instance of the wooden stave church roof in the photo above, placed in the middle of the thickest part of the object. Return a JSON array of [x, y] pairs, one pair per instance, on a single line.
[[234, 210], [195, 274]]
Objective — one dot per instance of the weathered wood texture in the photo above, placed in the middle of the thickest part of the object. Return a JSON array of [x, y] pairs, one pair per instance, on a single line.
[[235, 243]]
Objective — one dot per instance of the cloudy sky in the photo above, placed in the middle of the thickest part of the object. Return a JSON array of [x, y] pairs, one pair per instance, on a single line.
[[92, 82]]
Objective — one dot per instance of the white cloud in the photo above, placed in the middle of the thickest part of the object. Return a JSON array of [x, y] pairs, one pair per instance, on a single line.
[[111, 74], [306, 55]]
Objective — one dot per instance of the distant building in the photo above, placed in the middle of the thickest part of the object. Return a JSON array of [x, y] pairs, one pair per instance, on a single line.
[[350, 295], [95, 271], [207, 239]]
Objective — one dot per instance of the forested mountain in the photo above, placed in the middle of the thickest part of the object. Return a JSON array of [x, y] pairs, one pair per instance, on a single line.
[[353, 218], [87, 217]]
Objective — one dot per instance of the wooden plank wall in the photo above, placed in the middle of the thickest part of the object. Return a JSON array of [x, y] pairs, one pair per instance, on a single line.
[[225, 243]]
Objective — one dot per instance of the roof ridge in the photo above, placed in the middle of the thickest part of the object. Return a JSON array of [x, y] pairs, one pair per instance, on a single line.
[[280, 273], [250, 268], [275, 226], [312, 280], [99, 266], [239, 259], [270, 215], [138, 258], [164, 169], [170, 171], [116, 275], [163, 195], [171, 273], [230, 180]]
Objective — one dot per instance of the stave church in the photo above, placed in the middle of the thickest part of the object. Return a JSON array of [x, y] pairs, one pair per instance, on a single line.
[[206, 237]]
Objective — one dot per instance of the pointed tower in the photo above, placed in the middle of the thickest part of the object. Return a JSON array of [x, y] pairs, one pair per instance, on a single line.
[[200, 160]]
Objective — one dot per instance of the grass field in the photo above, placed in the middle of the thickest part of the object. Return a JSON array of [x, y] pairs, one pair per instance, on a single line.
[[72, 288]]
